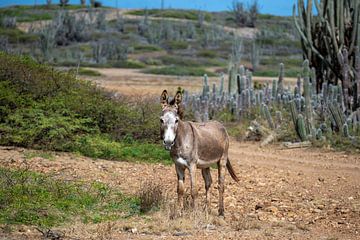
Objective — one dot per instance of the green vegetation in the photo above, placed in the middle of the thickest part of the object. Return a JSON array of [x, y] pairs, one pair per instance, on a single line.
[[42, 154], [176, 45], [189, 62], [129, 150], [207, 53], [172, 13], [179, 71], [129, 64], [35, 199], [88, 72], [146, 48], [25, 13], [45, 109], [275, 73], [15, 35]]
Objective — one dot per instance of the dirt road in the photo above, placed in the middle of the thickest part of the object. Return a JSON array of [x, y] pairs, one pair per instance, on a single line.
[[282, 194]]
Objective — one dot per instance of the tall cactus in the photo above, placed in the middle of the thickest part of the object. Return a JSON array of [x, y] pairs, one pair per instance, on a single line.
[[300, 127], [268, 116], [206, 87], [307, 96], [280, 88]]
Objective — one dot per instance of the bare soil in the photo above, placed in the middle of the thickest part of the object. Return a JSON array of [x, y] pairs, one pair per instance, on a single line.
[[134, 82], [282, 194]]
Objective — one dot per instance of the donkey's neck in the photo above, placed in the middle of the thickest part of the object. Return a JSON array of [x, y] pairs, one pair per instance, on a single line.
[[184, 136]]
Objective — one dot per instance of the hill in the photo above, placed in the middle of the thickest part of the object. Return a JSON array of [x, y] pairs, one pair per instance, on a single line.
[[153, 40]]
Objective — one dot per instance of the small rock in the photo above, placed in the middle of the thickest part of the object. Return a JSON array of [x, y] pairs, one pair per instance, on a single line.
[[180, 234], [210, 227], [259, 206], [272, 209]]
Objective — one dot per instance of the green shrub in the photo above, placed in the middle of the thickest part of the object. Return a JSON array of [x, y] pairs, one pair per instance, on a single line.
[[207, 53], [176, 45], [16, 36], [25, 14], [103, 147], [275, 73], [47, 109], [189, 61], [88, 72], [172, 13], [179, 71], [180, 61], [35, 199], [129, 64], [146, 48]]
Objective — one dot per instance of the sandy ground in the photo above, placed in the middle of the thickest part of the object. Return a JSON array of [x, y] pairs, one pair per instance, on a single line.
[[133, 81], [282, 194]]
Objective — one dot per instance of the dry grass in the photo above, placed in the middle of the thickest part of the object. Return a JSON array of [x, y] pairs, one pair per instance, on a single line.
[[151, 196]]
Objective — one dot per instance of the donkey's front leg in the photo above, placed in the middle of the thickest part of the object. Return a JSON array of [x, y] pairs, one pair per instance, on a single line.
[[180, 186], [192, 170]]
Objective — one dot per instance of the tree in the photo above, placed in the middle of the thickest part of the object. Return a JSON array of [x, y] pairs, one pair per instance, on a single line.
[[64, 2], [245, 16]]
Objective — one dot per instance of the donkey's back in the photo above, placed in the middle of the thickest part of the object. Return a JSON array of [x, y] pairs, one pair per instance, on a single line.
[[212, 141]]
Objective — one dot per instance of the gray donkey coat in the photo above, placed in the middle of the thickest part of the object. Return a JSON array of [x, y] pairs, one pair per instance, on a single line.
[[195, 145]]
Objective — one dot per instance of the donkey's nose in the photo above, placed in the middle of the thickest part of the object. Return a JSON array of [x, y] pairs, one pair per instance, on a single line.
[[167, 142]]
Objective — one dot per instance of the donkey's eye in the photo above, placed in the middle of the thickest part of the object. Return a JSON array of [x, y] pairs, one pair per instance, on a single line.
[[161, 121], [177, 120]]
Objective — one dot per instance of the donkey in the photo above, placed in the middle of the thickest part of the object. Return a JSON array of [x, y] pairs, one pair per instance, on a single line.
[[194, 145]]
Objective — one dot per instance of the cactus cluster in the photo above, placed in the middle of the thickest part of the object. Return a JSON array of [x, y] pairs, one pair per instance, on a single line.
[[313, 114], [329, 41]]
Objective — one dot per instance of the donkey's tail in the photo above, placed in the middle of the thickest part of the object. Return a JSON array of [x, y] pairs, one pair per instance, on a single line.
[[231, 170]]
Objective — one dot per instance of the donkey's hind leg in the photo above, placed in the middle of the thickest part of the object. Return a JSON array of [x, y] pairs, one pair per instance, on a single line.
[[207, 179], [221, 179]]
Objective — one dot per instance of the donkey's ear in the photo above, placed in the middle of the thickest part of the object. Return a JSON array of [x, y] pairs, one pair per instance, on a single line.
[[164, 99], [178, 97]]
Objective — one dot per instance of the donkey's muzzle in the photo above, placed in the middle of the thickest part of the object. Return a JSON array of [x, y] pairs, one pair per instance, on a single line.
[[168, 144]]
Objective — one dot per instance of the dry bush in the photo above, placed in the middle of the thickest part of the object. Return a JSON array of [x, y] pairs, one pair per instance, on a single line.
[[151, 196]]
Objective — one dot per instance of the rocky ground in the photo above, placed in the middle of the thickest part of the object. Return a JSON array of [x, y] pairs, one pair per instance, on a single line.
[[282, 194]]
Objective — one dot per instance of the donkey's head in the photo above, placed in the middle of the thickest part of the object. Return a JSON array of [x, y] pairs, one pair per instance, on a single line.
[[169, 119]]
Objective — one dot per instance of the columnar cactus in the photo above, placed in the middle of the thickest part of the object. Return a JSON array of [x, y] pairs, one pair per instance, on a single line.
[[329, 41], [300, 127], [206, 87], [303, 102], [280, 88], [268, 116], [345, 130], [274, 90]]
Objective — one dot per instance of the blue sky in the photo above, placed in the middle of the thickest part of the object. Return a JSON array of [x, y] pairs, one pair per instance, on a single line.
[[278, 7]]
